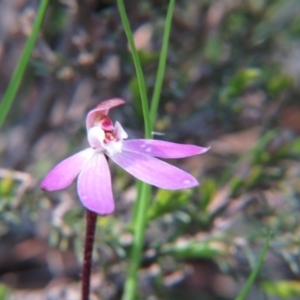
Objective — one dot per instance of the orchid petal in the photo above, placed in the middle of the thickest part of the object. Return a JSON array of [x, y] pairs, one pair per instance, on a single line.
[[154, 171], [94, 185], [65, 172], [103, 108], [162, 149]]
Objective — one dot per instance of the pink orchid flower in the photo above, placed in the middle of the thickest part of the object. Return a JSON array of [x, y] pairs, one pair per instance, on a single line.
[[137, 157]]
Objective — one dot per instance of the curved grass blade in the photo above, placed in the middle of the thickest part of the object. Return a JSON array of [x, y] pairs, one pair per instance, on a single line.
[[255, 271], [140, 208], [17, 76], [161, 64], [138, 69]]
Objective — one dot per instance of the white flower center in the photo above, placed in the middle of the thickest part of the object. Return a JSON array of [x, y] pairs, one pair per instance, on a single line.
[[109, 141]]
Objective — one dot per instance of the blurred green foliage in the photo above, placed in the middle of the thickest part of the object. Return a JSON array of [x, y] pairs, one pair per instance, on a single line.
[[4, 292], [282, 289], [167, 202]]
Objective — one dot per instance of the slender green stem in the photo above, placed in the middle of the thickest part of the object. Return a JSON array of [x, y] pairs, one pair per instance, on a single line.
[[161, 64], [138, 68], [143, 199], [138, 242], [255, 271], [17, 76], [139, 185]]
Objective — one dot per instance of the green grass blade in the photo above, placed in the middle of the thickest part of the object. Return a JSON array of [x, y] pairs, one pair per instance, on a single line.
[[161, 64], [138, 68], [143, 199], [255, 271], [142, 204], [17, 76]]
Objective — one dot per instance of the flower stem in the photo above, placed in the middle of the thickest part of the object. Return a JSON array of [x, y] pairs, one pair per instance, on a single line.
[[91, 219]]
